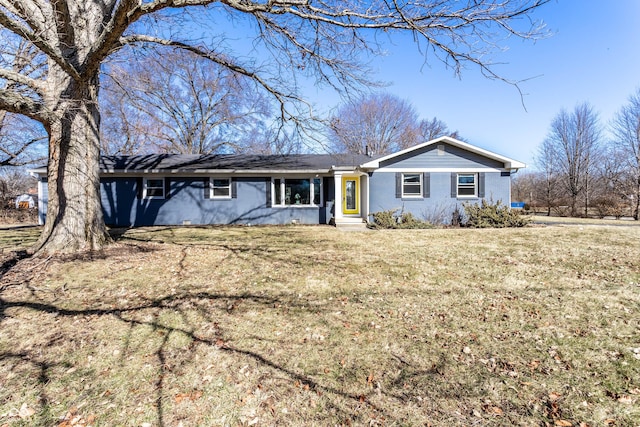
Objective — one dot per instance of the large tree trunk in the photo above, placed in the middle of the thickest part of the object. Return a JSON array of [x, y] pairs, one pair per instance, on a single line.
[[74, 219]]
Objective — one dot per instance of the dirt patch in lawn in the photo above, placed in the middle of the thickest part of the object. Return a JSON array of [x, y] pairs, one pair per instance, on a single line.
[[313, 326]]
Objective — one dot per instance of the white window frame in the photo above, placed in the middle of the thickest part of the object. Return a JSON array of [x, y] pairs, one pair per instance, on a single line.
[[420, 184], [146, 187], [212, 187], [475, 185], [280, 203]]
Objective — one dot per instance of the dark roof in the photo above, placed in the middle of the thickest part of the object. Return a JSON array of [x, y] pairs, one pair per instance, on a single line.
[[230, 162]]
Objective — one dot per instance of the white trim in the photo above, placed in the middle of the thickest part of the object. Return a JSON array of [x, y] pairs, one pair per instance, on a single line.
[[211, 188], [508, 163], [475, 186], [418, 195], [435, 170], [281, 204], [144, 188]]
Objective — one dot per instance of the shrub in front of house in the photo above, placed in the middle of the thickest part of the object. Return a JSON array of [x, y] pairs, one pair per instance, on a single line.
[[492, 215], [394, 218]]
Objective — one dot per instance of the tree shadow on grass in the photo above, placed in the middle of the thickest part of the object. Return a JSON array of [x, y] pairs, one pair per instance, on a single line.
[[149, 314]]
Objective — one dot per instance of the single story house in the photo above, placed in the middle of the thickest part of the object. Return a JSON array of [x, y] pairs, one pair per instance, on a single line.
[[429, 180]]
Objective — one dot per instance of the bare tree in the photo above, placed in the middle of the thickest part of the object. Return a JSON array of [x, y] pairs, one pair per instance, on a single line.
[[328, 41], [571, 149], [22, 140], [375, 124], [547, 189], [178, 102], [435, 128], [626, 150]]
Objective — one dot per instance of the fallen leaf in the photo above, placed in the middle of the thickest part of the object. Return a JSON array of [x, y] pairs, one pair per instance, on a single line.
[[25, 411], [625, 399], [553, 396], [370, 379], [609, 421], [496, 410], [563, 423]]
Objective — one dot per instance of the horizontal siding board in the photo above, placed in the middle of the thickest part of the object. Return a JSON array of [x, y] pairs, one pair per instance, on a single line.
[[453, 158]]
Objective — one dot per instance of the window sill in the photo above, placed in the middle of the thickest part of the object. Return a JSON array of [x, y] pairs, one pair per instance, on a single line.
[[297, 206]]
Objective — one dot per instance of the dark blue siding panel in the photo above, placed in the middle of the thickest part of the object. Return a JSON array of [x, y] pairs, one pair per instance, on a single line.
[[188, 205]]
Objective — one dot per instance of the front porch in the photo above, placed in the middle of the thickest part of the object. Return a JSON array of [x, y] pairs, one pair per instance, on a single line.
[[351, 209]]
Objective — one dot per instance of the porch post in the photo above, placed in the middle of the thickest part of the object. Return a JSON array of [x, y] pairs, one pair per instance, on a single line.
[[337, 204]]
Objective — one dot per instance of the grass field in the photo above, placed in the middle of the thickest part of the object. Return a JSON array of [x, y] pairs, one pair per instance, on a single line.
[[299, 325]]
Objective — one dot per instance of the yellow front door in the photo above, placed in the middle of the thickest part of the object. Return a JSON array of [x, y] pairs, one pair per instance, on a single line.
[[350, 195]]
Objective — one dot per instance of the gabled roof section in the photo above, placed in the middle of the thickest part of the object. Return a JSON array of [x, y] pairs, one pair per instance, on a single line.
[[508, 163]]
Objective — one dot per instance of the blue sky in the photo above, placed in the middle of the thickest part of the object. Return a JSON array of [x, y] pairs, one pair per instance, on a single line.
[[592, 55]]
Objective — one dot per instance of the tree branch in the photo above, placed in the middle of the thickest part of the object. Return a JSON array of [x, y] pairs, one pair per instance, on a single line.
[[23, 80], [19, 104], [41, 43], [282, 98]]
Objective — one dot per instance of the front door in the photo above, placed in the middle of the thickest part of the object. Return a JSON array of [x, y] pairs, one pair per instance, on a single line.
[[351, 195]]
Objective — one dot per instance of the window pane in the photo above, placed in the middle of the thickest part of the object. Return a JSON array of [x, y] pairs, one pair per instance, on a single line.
[[466, 191], [411, 184], [221, 187], [412, 178], [220, 183], [467, 184], [277, 192], [316, 191], [155, 192], [297, 191], [221, 192], [466, 179], [411, 190], [350, 196], [154, 188]]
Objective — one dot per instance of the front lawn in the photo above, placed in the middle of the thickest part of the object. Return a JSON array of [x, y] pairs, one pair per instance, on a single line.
[[312, 326]]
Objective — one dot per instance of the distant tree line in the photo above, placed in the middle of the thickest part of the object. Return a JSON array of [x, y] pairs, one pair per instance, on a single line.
[[583, 172]]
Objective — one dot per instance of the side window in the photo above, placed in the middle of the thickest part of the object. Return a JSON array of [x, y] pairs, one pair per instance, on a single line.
[[467, 185], [154, 188], [220, 188], [411, 185], [297, 191]]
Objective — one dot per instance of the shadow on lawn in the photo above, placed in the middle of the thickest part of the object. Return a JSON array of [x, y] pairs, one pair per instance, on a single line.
[[133, 315]]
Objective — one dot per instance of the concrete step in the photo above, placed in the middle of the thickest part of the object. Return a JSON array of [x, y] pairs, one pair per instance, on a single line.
[[351, 226]]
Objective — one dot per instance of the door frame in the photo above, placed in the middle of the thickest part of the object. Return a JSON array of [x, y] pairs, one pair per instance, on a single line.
[[357, 195]]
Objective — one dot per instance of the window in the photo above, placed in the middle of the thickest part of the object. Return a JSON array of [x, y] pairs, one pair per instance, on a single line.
[[297, 191], [154, 188], [220, 188], [411, 185], [467, 185]]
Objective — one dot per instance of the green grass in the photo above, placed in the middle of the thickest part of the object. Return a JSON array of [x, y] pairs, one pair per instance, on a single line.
[[314, 326]]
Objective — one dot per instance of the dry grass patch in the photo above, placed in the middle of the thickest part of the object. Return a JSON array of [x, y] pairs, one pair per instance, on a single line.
[[314, 326]]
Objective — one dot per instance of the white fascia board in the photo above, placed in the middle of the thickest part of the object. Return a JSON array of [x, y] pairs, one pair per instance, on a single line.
[[508, 163], [38, 171], [435, 170]]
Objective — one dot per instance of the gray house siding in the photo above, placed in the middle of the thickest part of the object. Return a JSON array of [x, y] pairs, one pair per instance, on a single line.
[[439, 205], [450, 158], [186, 204]]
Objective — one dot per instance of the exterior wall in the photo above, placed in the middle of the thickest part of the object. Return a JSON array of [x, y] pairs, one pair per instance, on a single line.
[[451, 158], [439, 206], [43, 198], [187, 204]]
